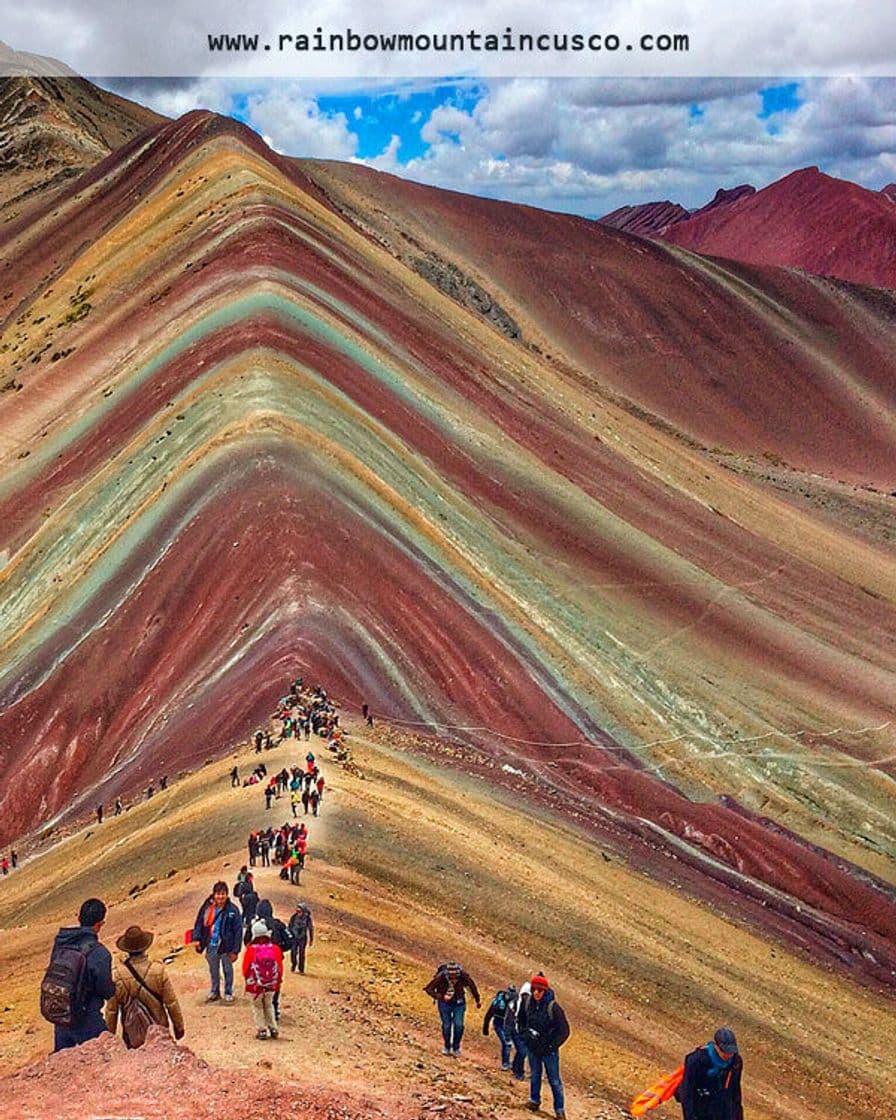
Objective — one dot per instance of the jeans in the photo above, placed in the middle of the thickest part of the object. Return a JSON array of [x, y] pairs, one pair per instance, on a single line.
[[551, 1064], [214, 959], [520, 1053], [452, 1016], [92, 1025], [505, 1043]]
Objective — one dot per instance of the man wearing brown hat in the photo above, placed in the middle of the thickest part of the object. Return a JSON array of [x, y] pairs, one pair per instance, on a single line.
[[137, 977], [710, 1088]]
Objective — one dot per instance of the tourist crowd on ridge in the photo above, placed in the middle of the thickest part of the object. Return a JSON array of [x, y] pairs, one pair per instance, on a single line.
[[84, 995]]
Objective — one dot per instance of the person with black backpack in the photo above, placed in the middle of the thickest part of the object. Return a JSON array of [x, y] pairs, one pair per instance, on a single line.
[[301, 928], [447, 989], [78, 979], [542, 1023], [497, 1009], [144, 993]]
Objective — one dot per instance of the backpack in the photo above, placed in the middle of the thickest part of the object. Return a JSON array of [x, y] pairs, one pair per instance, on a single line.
[[136, 1018], [61, 988], [298, 924], [499, 1004], [264, 971]]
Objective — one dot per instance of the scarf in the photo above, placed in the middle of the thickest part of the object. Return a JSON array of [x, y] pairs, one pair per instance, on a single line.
[[718, 1067]]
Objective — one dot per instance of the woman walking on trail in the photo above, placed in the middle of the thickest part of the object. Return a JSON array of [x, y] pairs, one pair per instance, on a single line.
[[138, 978]]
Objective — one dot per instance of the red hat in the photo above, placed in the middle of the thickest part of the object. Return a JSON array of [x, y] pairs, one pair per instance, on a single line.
[[539, 980]]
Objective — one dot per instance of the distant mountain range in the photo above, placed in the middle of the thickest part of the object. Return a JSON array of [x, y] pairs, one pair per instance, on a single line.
[[806, 220]]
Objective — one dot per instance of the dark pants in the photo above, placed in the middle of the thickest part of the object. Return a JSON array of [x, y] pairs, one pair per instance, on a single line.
[[265, 857], [297, 952], [91, 1026], [550, 1063], [520, 1053], [505, 1043], [452, 1016]]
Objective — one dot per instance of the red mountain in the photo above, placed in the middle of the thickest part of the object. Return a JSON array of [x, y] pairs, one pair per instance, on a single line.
[[648, 220], [806, 220]]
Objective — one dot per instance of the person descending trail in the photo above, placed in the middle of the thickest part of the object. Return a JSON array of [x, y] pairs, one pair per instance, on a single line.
[[710, 1087], [218, 932], [144, 993], [263, 973], [497, 1010], [301, 929], [543, 1025], [447, 988], [78, 979]]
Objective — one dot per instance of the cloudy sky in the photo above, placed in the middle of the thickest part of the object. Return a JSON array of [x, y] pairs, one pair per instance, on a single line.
[[629, 127]]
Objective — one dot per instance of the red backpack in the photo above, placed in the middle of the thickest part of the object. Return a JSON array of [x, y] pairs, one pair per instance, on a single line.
[[264, 971]]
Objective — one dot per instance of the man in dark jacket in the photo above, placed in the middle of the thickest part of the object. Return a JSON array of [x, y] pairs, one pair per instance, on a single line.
[[301, 928], [447, 989], [218, 932], [710, 1088], [96, 984], [542, 1023]]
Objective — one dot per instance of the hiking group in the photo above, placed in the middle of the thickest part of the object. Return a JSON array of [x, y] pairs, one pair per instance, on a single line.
[[529, 1023]]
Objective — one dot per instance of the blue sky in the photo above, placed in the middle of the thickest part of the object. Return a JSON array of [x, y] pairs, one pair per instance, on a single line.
[[584, 146]]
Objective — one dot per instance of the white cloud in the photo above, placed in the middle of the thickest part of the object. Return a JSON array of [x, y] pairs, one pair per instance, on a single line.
[[358, 112]]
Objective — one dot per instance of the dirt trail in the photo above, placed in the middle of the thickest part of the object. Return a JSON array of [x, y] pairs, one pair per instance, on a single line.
[[412, 862]]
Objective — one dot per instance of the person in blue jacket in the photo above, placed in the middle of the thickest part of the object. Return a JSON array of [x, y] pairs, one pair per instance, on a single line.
[[96, 984], [218, 932]]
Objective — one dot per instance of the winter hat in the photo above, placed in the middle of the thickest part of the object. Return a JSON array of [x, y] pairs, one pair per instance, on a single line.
[[260, 929], [135, 940], [725, 1040], [539, 980]]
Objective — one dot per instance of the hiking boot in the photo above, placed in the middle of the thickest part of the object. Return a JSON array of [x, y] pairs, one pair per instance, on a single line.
[[561, 1115], [446, 1050], [532, 1106], [212, 996], [456, 1052], [228, 998], [506, 1066], [261, 1035], [273, 1032]]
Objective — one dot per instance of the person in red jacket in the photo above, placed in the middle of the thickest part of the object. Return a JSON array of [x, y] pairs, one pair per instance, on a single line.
[[263, 972]]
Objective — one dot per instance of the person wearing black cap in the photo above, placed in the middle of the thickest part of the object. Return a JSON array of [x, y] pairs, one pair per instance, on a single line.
[[710, 1088]]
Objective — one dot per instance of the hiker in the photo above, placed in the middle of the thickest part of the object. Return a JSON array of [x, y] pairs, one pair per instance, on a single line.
[[542, 1023], [314, 800], [263, 972], [295, 801], [163, 782], [259, 739], [4, 865], [235, 777], [320, 786], [150, 790], [495, 1015], [301, 929], [306, 799], [447, 989], [253, 848], [264, 850], [118, 807], [280, 936], [78, 979], [710, 1088], [218, 932], [14, 858], [140, 980], [365, 709], [99, 814], [512, 1032]]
